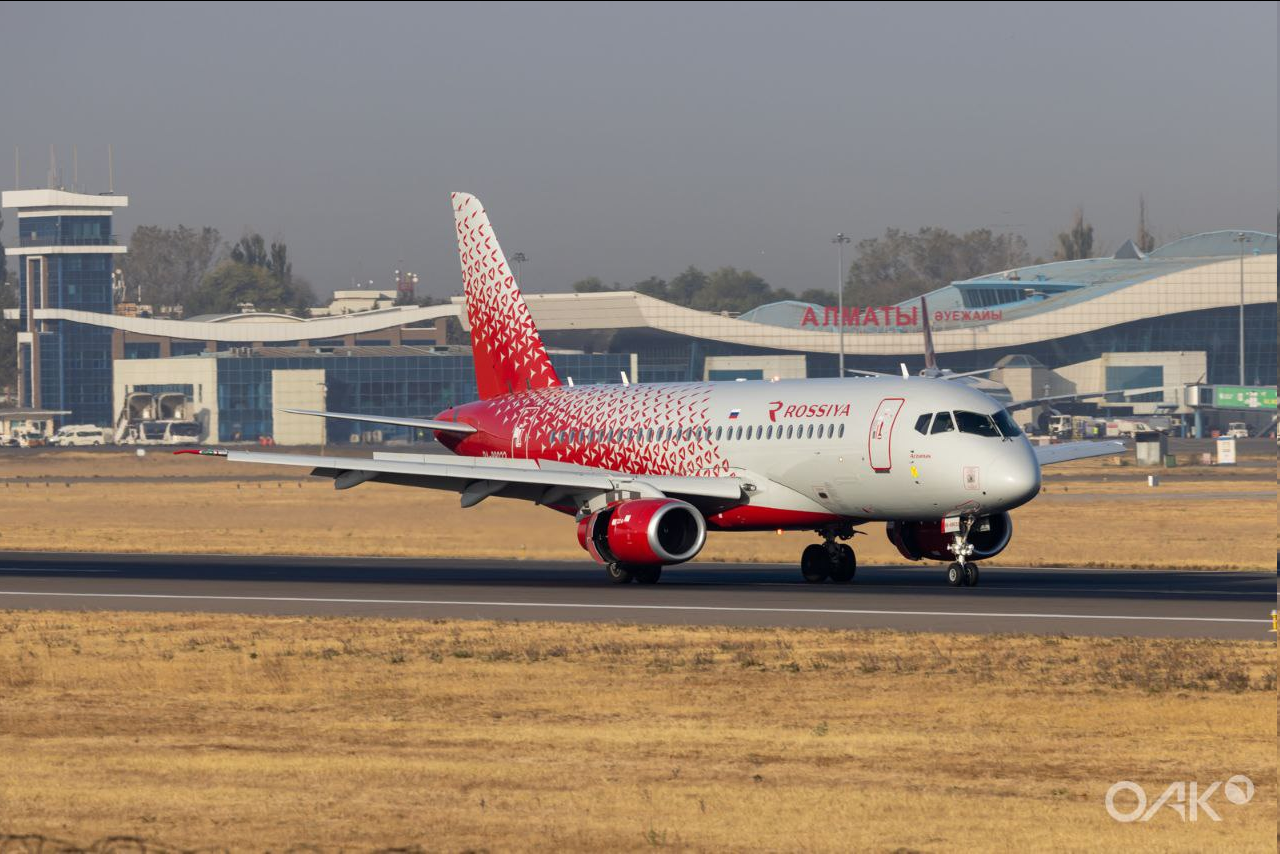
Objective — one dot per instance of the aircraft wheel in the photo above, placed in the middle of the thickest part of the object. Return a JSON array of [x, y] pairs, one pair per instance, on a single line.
[[648, 574], [845, 566], [955, 575], [619, 573], [971, 575], [815, 564]]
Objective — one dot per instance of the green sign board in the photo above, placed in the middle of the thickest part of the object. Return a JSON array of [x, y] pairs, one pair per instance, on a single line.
[[1244, 397]]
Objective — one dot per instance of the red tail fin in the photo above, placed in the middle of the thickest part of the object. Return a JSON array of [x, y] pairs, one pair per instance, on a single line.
[[505, 344]]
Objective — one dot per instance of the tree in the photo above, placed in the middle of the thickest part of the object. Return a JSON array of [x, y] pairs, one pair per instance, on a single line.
[[592, 285], [1146, 242], [251, 250], [730, 289], [1078, 242], [165, 265], [231, 283], [900, 265]]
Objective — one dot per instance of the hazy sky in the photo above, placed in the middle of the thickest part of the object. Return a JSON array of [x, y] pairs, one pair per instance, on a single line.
[[627, 141]]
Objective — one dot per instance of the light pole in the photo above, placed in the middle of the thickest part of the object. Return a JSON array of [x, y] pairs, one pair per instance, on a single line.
[[518, 258], [840, 240], [1241, 238]]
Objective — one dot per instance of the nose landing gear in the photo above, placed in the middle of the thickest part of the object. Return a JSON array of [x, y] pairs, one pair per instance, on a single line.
[[962, 573], [829, 559]]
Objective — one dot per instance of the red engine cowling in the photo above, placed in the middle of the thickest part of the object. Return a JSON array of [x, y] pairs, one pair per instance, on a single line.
[[926, 540], [644, 531]]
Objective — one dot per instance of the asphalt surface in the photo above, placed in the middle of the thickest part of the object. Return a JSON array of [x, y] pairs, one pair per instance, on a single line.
[[1041, 601]]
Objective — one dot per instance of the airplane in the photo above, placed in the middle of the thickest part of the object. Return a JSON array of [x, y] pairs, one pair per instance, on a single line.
[[648, 469]]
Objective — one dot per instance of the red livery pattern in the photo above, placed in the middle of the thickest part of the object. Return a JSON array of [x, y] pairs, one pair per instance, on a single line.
[[508, 351], [651, 429]]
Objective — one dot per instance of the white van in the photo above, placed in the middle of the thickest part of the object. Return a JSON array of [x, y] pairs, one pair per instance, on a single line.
[[75, 435], [1238, 430]]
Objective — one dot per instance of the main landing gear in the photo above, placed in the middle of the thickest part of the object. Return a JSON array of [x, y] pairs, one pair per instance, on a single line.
[[829, 559], [962, 573], [625, 573]]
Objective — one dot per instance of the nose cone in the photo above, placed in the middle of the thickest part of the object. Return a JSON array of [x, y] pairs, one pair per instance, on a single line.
[[1017, 478]]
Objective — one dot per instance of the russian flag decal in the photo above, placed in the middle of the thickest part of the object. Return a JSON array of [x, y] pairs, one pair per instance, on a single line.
[[734, 413]]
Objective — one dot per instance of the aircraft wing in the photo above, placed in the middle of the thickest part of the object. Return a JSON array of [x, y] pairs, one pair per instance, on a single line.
[[478, 478], [1067, 451], [1036, 401]]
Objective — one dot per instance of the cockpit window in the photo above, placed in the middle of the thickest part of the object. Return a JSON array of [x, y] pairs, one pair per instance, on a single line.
[[1007, 425], [977, 424], [922, 423], [942, 423]]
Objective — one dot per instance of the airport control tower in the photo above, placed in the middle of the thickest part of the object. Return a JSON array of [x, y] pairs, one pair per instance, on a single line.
[[65, 253]]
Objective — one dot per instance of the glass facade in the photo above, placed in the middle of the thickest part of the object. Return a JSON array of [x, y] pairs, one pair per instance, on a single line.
[[667, 357], [410, 386], [74, 361]]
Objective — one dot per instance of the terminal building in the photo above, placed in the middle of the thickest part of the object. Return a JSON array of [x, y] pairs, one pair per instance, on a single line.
[[1169, 319]]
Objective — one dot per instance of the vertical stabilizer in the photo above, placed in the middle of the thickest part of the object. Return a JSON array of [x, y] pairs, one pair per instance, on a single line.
[[930, 358], [505, 344]]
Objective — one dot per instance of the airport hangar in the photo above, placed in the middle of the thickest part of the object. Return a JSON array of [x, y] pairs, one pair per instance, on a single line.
[[1169, 318]]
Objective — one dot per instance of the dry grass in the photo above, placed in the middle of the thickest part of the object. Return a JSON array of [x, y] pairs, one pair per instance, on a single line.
[[310, 517], [261, 733]]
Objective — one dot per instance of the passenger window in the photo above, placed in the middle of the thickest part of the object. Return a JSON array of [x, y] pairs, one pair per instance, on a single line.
[[922, 423], [738, 434], [759, 432], [789, 429], [719, 433], [942, 423], [821, 430], [977, 424], [841, 431], [768, 432], [810, 434]]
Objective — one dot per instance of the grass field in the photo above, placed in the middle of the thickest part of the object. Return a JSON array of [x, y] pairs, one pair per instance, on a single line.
[[262, 733], [161, 508]]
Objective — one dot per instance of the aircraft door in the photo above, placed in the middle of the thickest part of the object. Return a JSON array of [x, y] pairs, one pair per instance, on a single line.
[[520, 434], [880, 438]]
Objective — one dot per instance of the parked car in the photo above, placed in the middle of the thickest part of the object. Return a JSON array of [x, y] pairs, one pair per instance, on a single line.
[[76, 435], [1238, 430]]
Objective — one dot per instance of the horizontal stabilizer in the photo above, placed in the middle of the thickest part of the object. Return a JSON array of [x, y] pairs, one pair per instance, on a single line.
[[424, 423]]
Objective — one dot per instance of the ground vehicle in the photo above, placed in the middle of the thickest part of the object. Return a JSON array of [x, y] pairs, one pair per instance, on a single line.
[[1237, 430], [648, 469], [78, 435], [32, 440], [162, 433]]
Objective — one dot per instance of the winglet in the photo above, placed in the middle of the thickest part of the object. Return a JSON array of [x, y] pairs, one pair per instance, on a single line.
[[507, 350]]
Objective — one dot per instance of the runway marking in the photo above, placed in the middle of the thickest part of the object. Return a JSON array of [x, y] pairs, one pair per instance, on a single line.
[[640, 607]]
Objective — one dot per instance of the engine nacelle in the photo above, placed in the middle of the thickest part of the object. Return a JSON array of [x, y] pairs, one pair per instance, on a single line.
[[644, 531], [926, 540]]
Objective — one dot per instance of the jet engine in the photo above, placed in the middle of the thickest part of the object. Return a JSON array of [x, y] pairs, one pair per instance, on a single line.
[[644, 531], [926, 540]]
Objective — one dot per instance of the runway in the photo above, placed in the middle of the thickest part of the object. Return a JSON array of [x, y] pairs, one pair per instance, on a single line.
[[1041, 601]]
